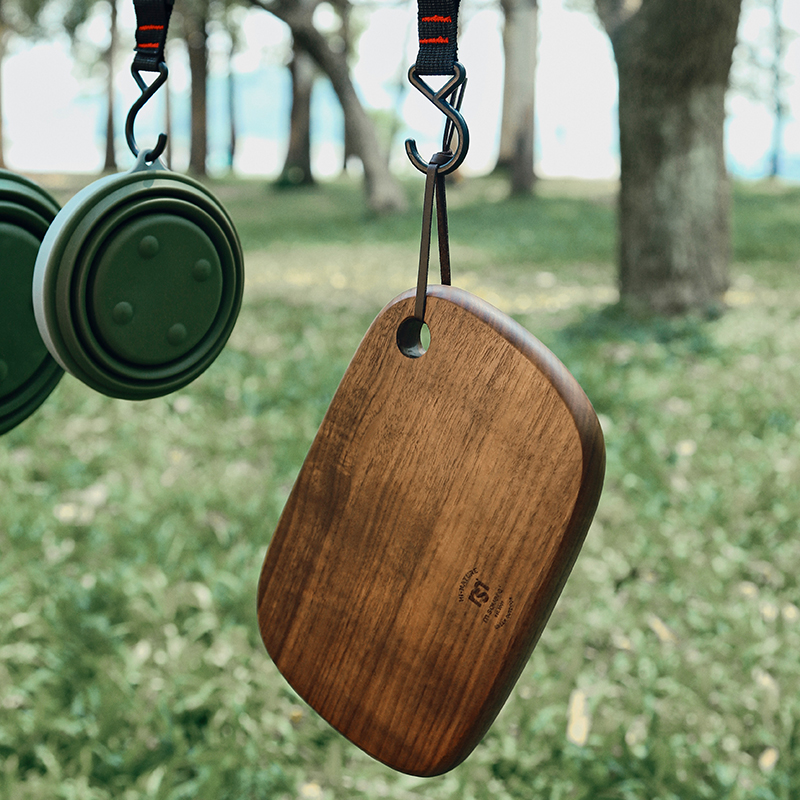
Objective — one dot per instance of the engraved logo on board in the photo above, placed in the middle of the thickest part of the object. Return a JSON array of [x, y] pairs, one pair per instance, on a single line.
[[497, 608], [479, 594]]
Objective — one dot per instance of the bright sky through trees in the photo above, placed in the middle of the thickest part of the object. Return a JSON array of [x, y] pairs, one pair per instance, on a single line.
[[54, 108]]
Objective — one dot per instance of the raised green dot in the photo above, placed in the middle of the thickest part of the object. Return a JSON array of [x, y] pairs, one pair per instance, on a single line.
[[177, 334], [201, 271], [122, 313], [148, 247]]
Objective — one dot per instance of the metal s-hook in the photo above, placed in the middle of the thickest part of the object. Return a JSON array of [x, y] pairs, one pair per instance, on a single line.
[[455, 122], [147, 93]]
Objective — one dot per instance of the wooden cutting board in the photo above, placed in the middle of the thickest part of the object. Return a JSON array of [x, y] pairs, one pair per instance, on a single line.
[[430, 531]]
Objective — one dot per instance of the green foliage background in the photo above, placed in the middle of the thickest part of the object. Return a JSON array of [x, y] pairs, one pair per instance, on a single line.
[[132, 534]]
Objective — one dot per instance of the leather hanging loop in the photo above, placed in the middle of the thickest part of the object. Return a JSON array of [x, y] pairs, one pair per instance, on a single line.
[[442, 228], [434, 188]]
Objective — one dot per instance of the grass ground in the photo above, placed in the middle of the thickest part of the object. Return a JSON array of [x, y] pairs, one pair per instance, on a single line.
[[132, 534]]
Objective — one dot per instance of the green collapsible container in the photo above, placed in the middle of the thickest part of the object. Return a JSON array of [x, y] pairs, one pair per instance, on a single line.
[[139, 282], [28, 373]]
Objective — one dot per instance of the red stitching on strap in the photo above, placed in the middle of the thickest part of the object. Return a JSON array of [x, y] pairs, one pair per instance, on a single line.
[[151, 27], [437, 40], [146, 44], [437, 18]]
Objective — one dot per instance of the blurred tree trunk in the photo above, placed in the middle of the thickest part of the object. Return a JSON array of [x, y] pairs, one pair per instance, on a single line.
[[167, 158], [777, 89], [196, 22], [673, 59], [343, 7], [384, 194], [110, 161], [297, 166], [350, 147], [232, 101], [520, 34]]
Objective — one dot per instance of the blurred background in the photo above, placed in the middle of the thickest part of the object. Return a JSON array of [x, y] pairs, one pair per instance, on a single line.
[[55, 87]]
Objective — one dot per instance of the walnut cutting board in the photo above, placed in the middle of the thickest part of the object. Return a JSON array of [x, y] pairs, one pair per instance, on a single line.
[[430, 531]]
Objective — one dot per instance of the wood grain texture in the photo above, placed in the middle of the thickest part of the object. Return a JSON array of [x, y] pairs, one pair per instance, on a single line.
[[430, 531]]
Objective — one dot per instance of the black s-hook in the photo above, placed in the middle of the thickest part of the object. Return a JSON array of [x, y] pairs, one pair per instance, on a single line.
[[454, 88], [147, 93]]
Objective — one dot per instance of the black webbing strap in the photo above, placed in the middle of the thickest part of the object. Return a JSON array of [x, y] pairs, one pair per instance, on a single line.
[[152, 22], [437, 23]]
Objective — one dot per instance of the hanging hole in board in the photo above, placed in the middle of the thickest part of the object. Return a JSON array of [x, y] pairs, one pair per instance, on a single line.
[[413, 337]]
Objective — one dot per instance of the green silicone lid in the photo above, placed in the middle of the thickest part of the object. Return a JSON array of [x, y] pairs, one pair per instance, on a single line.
[[155, 290], [139, 282], [28, 373]]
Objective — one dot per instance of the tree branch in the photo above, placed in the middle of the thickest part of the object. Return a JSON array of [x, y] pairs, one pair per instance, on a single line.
[[384, 195]]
